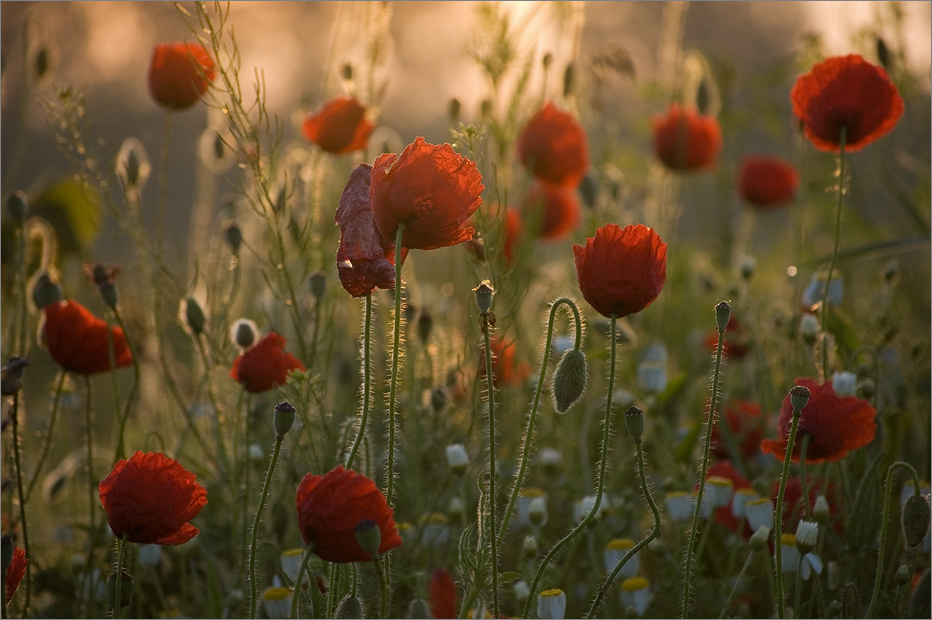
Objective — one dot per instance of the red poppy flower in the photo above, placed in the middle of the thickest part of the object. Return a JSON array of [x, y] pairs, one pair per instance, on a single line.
[[430, 189], [505, 368], [744, 422], [340, 126], [15, 572], [265, 364], [723, 514], [737, 340], [151, 498], [553, 147], [685, 140], [175, 81], [365, 260], [793, 508], [621, 271], [78, 340], [768, 181], [442, 595], [512, 233], [835, 425], [846, 91], [561, 209], [331, 506]]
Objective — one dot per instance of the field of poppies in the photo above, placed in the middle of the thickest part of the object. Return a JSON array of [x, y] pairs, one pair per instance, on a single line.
[[567, 360]]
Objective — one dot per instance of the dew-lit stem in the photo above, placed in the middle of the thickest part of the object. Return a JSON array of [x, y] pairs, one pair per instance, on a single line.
[[831, 266], [263, 498], [393, 388], [366, 370]]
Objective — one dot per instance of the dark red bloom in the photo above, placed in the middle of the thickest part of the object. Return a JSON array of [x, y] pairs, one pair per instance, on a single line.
[[78, 340], [179, 74], [442, 595], [553, 148], [621, 271], [151, 498], [331, 506], [365, 259], [561, 210], [506, 369], [15, 573], [846, 91], [685, 140], [835, 425], [737, 340], [745, 423], [723, 514], [768, 181], [265, 364], [431, 190], [339, 127]]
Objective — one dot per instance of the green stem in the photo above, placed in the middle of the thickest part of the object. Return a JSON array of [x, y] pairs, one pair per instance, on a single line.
[[532, 418], [332, 591], [803, 444], [48, 435], [14, 417], [118, 586], [121, 450], [253, 586], [883, 529], [831, 266], [778, 514], [734, 590], [710, 422], [393, 388], [384, 594], [218, 411], [299, 580], [493, 539], [366, 370], [596, 507]]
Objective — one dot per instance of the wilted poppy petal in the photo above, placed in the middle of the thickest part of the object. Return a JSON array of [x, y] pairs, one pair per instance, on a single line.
[[15, 573]]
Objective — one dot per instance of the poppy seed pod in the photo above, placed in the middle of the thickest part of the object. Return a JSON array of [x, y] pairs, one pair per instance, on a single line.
[[915, 520], [484, 293], [569, 380], [799, 397], [634, 422], [722, 315], [244, 333], [193, 316], [283, 418], [234, 236], [45, 292]]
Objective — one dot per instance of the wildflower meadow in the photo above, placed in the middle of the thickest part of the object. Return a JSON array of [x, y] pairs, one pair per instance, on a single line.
[[620, 339]]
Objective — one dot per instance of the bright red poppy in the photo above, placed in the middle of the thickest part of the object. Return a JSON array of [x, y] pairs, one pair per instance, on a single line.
[[745, 423], [15, 572], [723, 514], [442, 595], [768, 181], [685, 140], [431, 190], [553, 148], [150, 498], [365, 259], [561, 209], [846, 91], [339, 127], [265, 364], [78, 340], [331, 506], [506, 369], [621, 271], [179, 74], [737, 340], [835, 425]]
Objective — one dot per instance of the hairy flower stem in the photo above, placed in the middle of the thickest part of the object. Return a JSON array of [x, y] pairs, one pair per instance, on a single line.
[[734, 590], [14, 418], [298, 581], [600, 483], [118, 585], [875, 597], [710, 423], [366, 371], [778, 515], [92, 530], [493, 539], [655, 531], [263, 498], [124, 416], [831, 266], [56, 399], [393, 388], [384, 593], [532, 418]]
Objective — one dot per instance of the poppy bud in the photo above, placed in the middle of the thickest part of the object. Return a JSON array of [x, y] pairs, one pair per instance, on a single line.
[[722, 314], [850, 602], [317, 282], [453, 109], [46, 292], [799, 398], [16, 205], [702, 97], [283, 418], [844, 383], [132, 164], [11, 375], [234, 236], [547, 60], [915, 519], [569, 380], [108, 293], [484, 293], [455, 508], [369, 537], [891, 271], [418, 609], [866, 388], [194, 317], [530, 547], [425, 324], [634, 422], [244, 333], [126, 589], [902, 575]]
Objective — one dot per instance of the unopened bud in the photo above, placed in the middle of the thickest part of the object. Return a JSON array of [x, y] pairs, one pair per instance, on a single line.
[[634, 422], [915, 519], [234, 236], [569, 380], [902, 575], [369, 537], [850, 602], [194, 317], [11, 375], [530, 547], [349, 607], [40, 64], [317, 282], [484, 293], [883, 54], [16, 205], [799, 398], [418, 609], [45, 292], [438, 399], [722, 314], [425, 324], [283, 418], [244, 333]]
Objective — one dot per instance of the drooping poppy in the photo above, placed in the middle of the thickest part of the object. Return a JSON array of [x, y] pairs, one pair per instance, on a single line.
[[365, 259], [265, 365], [846, 91], [737, 342], [179, 74], [506, 369], [15, 572], [557, 209], [835, 425], [442, 595], [745, 423], [331, 506], [553, 148], [685, 140], [150, 498], [621, 271], [78, 340], [767, 181], [339, 127], [431, 190]]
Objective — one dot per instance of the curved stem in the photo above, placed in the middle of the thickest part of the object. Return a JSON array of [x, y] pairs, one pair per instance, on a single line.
[[118, 585], [532, 418], [48, 435], [393, 389], [600, 487], [366, 370], [883, 528], [298, 581], [831, 266], [778, 514], [253, 586], [493, 539]]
